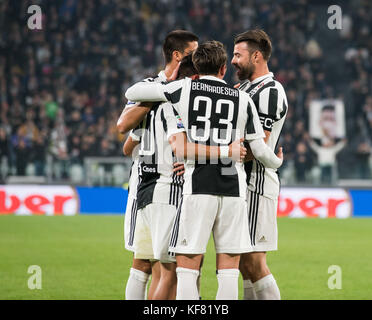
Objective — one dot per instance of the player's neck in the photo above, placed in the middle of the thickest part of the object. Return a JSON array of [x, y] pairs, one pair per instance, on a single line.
[[219, 76], [169, 68], [259, 72]]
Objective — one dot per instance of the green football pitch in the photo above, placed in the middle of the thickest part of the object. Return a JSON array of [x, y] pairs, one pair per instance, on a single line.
[[82, 257]]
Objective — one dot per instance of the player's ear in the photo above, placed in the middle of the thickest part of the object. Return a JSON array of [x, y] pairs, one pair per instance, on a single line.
[[257, 56], [223, 70], [177, 55]]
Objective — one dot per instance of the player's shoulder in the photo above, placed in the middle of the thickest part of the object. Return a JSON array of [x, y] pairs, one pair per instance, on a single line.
[[152, 79], [165, 106], [244, 96], [273, 84]]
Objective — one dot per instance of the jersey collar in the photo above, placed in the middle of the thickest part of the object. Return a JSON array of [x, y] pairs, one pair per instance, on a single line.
[[162, 76], [259, 79], [213, 78], [248, 83]]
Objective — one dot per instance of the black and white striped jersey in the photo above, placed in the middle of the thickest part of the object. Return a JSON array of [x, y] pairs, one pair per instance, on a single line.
[[270, 100], [157, 181], [216, 114], [133, 177]]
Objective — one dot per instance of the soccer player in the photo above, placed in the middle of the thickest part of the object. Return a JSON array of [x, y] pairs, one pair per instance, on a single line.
[[214, 193], [177, 44], [160, 189], [252, 52]]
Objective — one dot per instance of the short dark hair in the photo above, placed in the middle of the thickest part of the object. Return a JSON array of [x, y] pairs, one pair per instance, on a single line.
[[328, 108], [256, 39], [187, 68], [209, 57], [177, 40]]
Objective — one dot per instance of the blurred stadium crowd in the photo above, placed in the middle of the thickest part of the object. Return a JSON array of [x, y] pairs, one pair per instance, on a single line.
[[61, 88]]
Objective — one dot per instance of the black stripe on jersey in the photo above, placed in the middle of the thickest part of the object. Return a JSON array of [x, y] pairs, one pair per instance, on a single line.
[[148, 169], [248, 169], [212, 178], [162, 117], [284, 111], [249, 127], [273, 102], [256, 96], [133, 218], [174, 97]]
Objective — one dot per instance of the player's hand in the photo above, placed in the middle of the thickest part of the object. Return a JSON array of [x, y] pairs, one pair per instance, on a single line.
[[280, 154], [237, 85], [237, 151], [179, 167]]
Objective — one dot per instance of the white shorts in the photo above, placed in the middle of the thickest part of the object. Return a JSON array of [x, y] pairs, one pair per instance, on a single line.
[[199, 214], [153, 230], [263, 228], [130, 222]]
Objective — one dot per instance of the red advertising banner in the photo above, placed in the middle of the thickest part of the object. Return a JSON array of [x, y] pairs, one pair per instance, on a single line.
[[38, 200], [314, 202]]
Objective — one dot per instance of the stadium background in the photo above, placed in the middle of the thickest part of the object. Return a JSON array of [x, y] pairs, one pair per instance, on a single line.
[[61, 93]]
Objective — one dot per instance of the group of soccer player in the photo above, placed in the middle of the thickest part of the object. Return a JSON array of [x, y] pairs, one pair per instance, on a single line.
[[204, 162]]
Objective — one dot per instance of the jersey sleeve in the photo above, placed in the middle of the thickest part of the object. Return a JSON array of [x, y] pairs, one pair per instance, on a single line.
[[135, 135], [151, 91], [253, 128], [272, 106], [172, 122]]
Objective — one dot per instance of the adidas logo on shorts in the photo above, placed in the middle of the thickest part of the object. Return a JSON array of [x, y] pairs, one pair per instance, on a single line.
[[262, 239], [184, 242]]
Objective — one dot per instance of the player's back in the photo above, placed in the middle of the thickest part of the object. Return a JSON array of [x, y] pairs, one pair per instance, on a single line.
[[214, 113]]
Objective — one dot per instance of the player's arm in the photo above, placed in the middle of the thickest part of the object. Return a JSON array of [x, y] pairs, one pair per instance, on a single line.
[[249, 155], [265, 155], [152, 91], [132, 115], [183, 149], [255, 137], [132, 141], [192, 151]]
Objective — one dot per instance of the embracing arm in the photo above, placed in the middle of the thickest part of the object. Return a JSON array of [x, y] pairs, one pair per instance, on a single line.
[[265, 155], [129, 146], [132, 116], [146, 91], [187, 150]]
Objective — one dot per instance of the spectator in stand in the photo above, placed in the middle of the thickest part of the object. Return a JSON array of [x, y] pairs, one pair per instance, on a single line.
[[89, 52], [303, 162], [363, 154]]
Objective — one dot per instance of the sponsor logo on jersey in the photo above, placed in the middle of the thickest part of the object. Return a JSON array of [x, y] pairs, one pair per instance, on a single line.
[[179, 122], [148, 169]]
